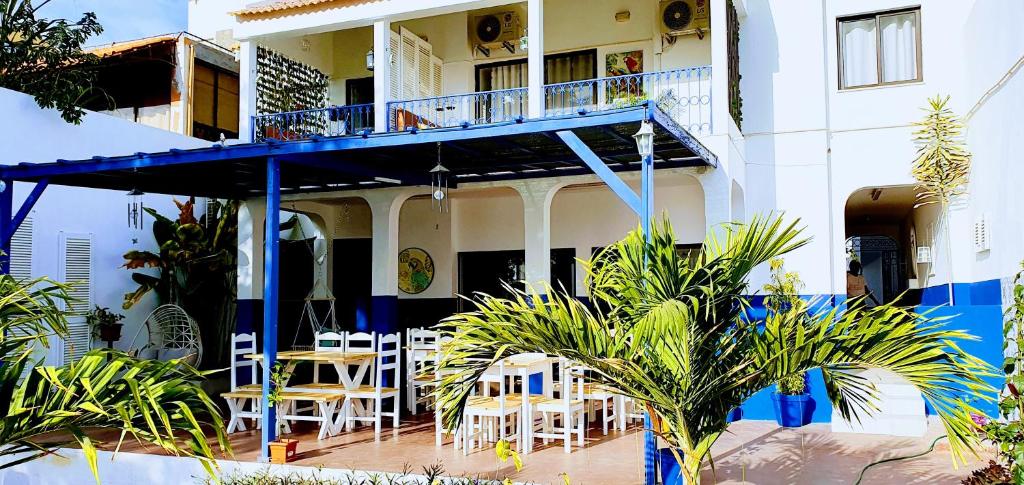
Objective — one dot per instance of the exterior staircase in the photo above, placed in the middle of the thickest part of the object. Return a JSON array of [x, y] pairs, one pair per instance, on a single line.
[[900, 409]]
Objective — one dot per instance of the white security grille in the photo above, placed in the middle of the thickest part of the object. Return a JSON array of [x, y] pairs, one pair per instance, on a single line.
[[981, 234]]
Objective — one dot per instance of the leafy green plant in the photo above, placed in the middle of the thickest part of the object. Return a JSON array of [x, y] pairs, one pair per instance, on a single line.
[[672, 332], [793, 385], [101, 317], [943, 165], [278, 379], [44, 408], [44, 58], [197, 271], [1008, 435]]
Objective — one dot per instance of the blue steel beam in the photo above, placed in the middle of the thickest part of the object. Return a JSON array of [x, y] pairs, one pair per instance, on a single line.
[[25, 208], [271, 252], [602, 171], [263, 150]]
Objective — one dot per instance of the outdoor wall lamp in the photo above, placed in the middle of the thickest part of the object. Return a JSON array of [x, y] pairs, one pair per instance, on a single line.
[[369, 60], [645, 139], [524, 41]]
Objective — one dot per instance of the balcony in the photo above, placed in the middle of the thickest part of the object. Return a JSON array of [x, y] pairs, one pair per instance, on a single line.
[[684, 94]]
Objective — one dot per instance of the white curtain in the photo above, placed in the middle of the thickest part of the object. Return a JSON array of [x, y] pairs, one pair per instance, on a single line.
[[508, 77], [860, 55], [899, 47]]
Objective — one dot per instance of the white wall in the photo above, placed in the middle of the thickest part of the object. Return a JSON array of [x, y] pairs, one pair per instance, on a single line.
[[30, 134], [207, 17]]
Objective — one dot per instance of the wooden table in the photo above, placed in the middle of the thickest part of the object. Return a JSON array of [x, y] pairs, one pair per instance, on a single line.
[[341, 361]]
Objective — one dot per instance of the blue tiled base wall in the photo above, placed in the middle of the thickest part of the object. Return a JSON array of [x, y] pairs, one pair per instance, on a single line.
[[978, 310]]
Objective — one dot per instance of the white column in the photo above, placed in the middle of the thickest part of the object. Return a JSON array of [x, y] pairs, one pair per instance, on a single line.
[[535, 57], [385, 207], [537, 196], [250, 249], [717, 199], [719, 69], [382, 58], [246, 89]]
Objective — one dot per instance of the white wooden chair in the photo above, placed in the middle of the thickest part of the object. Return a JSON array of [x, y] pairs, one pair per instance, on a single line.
[[336, 342], [362, 342], [483, 413], [605, 399], [388, 361], [567, 408], [420, 353], [241, 396]]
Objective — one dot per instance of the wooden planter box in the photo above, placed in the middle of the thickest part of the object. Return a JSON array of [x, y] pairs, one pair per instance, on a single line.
[[282, 451]]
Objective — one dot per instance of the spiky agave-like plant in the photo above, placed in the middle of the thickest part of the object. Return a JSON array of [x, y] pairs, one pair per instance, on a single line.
[[672, 333], [44, 408], [943, 164]]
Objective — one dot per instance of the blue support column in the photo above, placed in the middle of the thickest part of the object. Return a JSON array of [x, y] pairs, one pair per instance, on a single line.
[[6, 226], [646, 215], [271, 253]]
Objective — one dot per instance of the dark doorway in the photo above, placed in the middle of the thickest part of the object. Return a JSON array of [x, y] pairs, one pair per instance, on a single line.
[[880, 257], [353, 270], [295, 281], [488, 271], [359, 91]]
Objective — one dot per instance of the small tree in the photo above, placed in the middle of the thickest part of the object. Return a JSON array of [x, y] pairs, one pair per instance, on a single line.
[[942, 166], [44, 57]]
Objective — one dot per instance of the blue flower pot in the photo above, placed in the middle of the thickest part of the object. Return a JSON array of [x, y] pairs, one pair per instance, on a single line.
[[671, 473], [735, 415], [792, 411]]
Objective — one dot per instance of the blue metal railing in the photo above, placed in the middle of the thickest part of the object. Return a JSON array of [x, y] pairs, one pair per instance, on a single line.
[[684, 94], [458, 110], [298, 125]]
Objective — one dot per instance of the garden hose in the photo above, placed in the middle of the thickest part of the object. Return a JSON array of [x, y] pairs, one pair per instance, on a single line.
[[898, 458]]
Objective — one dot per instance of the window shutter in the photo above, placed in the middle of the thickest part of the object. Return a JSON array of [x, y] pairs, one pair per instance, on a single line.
[[424, 68], [409, 63], [395, 65], [438, 74], [76, 269], [21, 251]]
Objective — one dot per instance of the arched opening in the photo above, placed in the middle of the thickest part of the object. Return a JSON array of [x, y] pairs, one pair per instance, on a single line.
[[303, 256], [588, 217], [881, 235], [352, 261], [425, 263], [489, 242]]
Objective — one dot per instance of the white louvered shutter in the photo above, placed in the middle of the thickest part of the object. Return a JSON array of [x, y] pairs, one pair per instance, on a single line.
[[21, 269], [76, 269], [21, 251], [424, 68], [395, 65], [410, 71], [438, 75]]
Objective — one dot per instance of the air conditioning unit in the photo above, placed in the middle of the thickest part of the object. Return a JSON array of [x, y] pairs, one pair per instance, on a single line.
[[685, 17], [496, 30]]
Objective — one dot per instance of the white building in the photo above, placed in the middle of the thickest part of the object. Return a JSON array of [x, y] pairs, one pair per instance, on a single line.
[[829, 90]]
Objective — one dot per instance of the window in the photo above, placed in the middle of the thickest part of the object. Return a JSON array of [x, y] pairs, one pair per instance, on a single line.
[[214, 103], [880, 48]]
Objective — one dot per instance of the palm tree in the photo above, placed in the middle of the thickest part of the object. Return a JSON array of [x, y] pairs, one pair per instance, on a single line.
[[44, 408], [671, 332]]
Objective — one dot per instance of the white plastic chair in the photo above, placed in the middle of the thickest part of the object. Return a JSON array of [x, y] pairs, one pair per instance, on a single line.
[[389, 360], [338, 344]]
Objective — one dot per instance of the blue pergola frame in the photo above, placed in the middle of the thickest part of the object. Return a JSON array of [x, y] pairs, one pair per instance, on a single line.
[[304, 153]]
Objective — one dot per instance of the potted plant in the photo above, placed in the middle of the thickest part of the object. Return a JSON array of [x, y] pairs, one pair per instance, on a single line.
[[282, 449], [791, 401], [104, 324]]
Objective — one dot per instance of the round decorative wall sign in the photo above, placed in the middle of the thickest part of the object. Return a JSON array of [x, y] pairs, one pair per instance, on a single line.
[[415, 270]]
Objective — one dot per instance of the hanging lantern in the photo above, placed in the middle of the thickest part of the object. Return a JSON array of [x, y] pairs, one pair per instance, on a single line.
[[369, 60], [136, 208], [439, 185]]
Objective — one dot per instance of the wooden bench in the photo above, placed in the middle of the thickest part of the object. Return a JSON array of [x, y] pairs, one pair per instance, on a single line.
[[237, 400]]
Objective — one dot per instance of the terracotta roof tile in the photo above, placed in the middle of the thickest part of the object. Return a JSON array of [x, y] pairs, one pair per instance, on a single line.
[[266, 7]]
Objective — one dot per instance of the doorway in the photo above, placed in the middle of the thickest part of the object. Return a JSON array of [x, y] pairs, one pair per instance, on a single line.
[[487, 272]]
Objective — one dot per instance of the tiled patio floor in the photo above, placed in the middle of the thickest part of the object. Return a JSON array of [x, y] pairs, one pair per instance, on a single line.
[[752, 452]]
